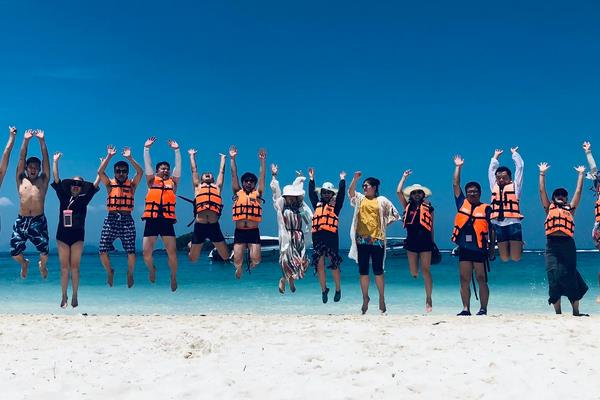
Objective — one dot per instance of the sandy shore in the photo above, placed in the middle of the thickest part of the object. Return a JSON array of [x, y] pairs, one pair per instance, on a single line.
[[288, 357]]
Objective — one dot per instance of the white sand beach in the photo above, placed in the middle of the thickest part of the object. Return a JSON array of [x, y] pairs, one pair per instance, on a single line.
[[293, 357]]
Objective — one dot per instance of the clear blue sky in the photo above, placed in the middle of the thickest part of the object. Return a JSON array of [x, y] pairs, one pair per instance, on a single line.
[[375, 86]]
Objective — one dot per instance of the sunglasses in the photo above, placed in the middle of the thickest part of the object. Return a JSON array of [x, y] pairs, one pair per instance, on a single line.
[[77, 184], [121, 171]]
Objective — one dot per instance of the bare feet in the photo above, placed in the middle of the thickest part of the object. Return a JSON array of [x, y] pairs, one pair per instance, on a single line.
[[110, 277], [238, 273], [281, 286], [129, 279], [63, 302], [428, 306], [598, 299], [382, 307], [292, 286], [365, 305], [24, 268], [74, 302], [43, 269], [173, 283], [152, 274]]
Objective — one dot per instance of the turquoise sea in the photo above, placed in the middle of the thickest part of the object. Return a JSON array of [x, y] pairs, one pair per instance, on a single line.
[[206, 288]]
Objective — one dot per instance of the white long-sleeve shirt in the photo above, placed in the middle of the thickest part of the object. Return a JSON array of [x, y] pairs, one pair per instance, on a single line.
[[518, 182]]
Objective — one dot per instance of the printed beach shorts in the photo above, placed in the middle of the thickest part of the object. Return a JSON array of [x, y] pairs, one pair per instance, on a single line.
[[117, 226], [34, 229], [596, 234]]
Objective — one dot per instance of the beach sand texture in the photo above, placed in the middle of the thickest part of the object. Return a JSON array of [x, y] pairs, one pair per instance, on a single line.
[[293, 357]]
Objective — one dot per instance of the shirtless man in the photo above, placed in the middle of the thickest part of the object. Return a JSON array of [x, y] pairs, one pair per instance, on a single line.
[[12, 133], [159, 211], [119, 224], [208, 206], [247, 211], [31, 224]]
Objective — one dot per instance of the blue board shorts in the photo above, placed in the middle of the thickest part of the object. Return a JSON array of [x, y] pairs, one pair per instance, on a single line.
[[34, 229]]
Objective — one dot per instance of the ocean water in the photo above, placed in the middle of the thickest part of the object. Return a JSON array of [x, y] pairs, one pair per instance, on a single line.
[[210, 288]]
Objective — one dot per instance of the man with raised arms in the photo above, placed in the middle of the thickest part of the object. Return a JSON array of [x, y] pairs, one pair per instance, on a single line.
[[159, 210], [247, 211], [208, 205], [12, 133], [506, 213], [119, 224], [33, 177]]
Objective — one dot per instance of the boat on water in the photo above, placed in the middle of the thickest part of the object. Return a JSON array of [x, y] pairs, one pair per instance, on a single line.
[[395, 246], [269, 248]]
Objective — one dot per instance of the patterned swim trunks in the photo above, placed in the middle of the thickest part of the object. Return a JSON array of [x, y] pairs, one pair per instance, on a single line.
[[117, 226], [34, 229]]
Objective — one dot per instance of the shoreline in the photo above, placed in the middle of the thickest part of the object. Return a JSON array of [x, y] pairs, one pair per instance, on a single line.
[[295, 356]]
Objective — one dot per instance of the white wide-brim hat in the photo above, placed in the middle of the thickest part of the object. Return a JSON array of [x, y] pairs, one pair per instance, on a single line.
[[327, 186], [406, 192], [296, 188]]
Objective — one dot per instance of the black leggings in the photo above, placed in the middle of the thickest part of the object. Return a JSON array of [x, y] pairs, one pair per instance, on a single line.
[[375, 253]]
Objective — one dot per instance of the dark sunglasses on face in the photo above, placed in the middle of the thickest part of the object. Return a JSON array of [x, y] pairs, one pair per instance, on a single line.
[[77, 184], [121, 171]]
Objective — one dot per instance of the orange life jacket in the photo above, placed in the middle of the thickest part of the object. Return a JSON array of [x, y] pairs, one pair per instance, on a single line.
[[505, 199], [208, 197], [559, 219], [324, 219], [160, 200], [120, 196], [477, 216], [247, 206], [597, 206], [425, 218]]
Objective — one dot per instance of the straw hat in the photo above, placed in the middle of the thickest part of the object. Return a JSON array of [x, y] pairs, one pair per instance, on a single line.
[[296, 188], [327, 186], [406, 192]]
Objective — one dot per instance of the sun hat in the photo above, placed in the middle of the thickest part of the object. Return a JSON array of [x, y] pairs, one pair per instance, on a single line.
[[406, 192], [327, 186], [296, 188]]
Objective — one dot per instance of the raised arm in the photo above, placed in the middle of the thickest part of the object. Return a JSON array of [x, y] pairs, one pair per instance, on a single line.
[[139, 172], [235, 183], [275, 184], [23, 155], [577, 196], [458, 164], [519, 166], [543, 194], [312, 195], [341, 194], [193, 167], [110, 152], [12, 133], [352, 188], [45, 158], [177, 170], [587, 147], [494, 164], [221, 176], [401, 186], [262, 157], [55, 159], [148, 169]]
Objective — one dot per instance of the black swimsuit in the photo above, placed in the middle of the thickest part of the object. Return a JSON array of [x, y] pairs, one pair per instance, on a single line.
[[76, 232]]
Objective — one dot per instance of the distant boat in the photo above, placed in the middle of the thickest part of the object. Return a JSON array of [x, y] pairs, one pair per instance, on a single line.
[[269, 248], [395, 246]]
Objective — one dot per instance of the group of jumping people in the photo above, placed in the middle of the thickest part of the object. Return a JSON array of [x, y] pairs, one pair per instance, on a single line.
[[478, 226]]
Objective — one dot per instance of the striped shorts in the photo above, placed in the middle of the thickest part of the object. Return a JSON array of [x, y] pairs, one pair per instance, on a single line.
[[117, 226]]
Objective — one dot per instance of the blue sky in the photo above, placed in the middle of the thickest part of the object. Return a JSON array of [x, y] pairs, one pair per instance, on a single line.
[[335, 85]]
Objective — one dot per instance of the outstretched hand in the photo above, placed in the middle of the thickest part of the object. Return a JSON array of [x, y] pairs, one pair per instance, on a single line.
[[232, 151], [262, 154], [12, 130], [126, 152], [498, 153], [28, 134], [39, 134], [274, 169], [150, 141], [110, 150], [192, 152], [407, 173], [311, 173], [587, 146], [223, 156], [173, 144], [342, 175], [514, 150], [57, 156], [458, 160], [543, 166], [580, 169], [357, 174]]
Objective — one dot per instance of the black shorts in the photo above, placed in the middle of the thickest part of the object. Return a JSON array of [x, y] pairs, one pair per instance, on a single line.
[[418, 240], [508, 233], [246, 236], [371, 252], [159, 227], [70, 236], [477, 256], [207, 231]]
